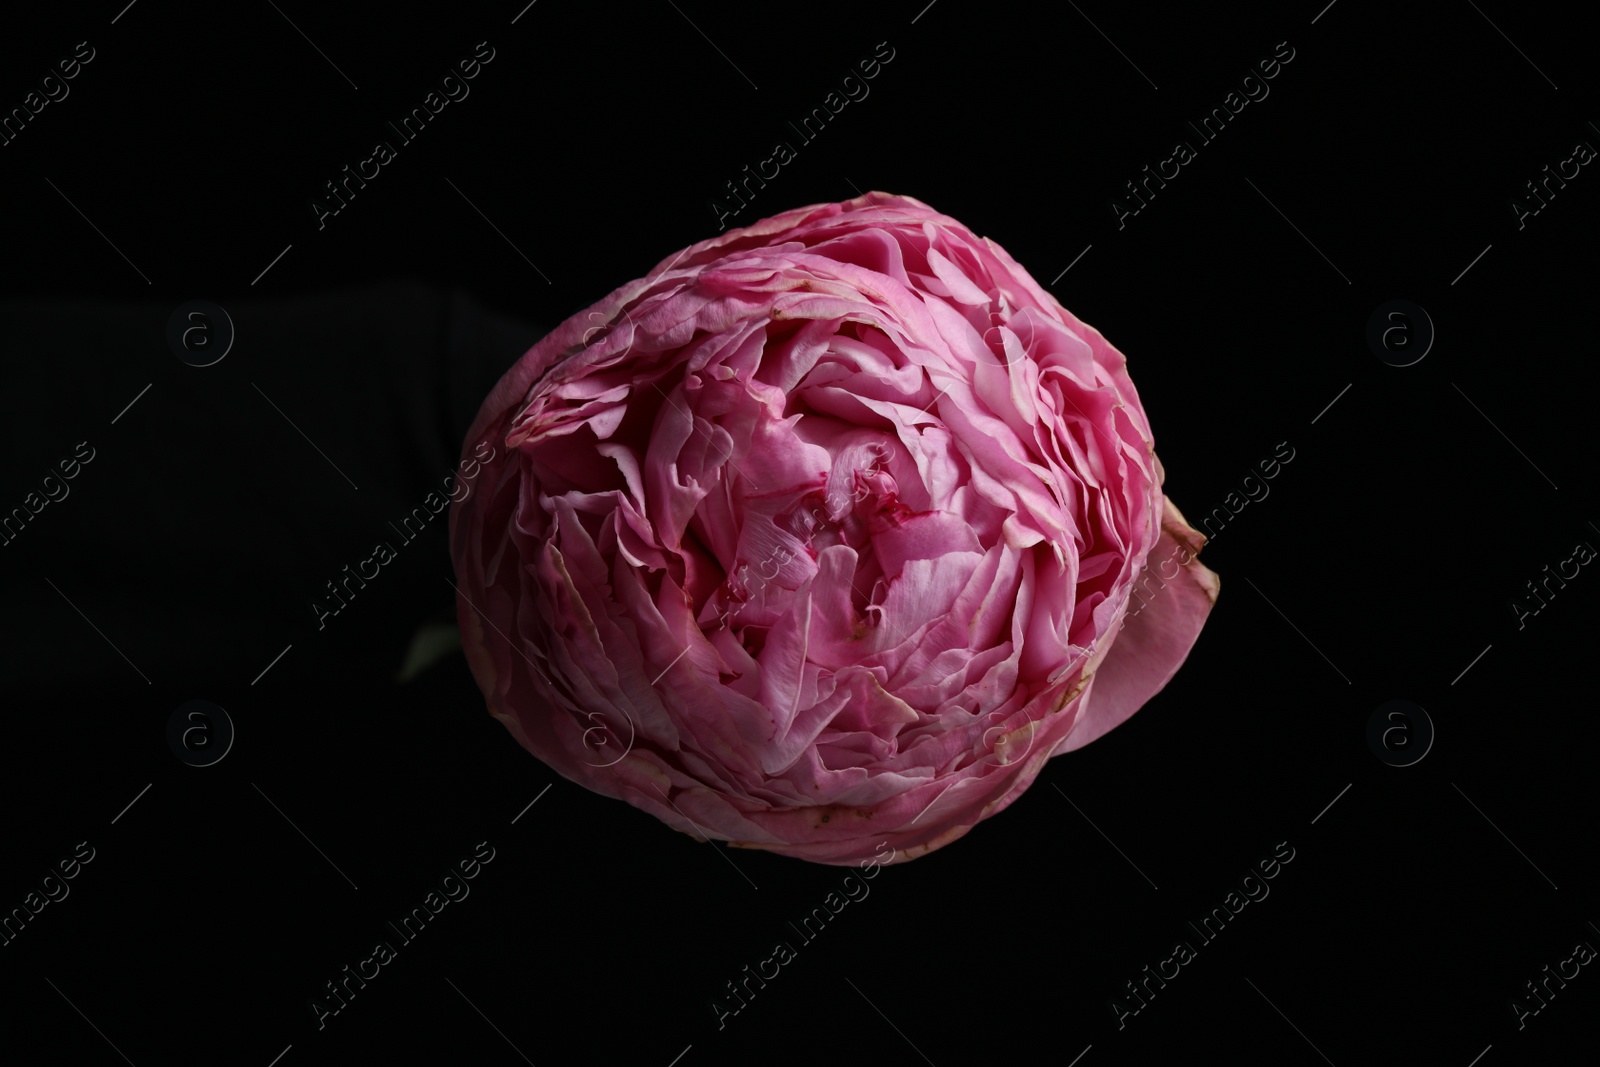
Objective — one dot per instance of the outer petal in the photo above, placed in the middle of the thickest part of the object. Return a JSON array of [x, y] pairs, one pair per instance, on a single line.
[[1150, 648]]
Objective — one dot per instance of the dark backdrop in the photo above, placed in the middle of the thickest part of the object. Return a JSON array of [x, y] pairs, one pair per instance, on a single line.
[[1386, 161]]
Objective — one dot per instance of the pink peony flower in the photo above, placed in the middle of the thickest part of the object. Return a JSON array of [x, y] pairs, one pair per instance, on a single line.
[[821, 536]]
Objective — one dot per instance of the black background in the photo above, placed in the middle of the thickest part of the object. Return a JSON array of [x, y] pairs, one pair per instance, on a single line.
[[1382, 564]]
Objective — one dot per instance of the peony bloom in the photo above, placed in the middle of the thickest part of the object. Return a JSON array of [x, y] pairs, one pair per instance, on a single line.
[[820, 536]]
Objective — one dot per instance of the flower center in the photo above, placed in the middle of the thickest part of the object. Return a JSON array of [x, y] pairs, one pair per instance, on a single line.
[[840, 513]]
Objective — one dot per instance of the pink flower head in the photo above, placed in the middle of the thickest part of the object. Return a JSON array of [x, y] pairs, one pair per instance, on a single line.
[[821, 536]]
